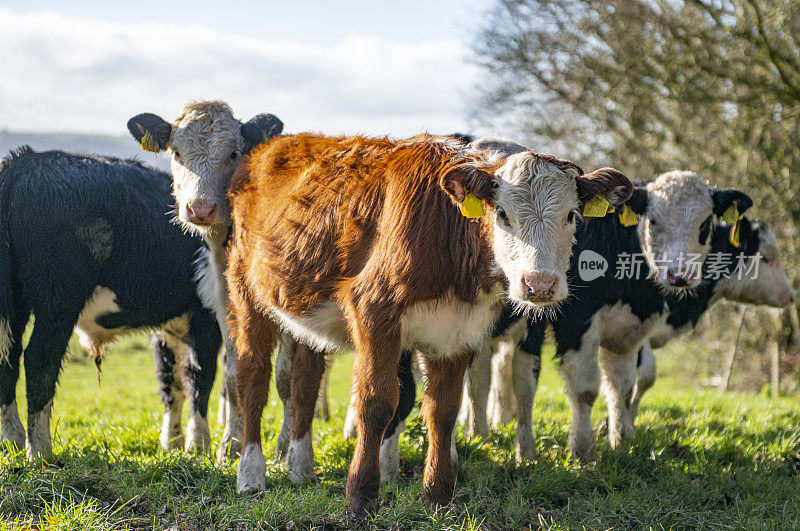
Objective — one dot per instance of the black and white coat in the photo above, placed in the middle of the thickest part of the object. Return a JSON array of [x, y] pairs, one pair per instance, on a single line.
[[87, 243]]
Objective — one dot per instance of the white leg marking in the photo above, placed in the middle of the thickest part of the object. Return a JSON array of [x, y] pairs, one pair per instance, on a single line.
[[12, 432], [251, 475], [5, 340], [390, 456], [350, 430], [478, 379], [501, 406], [300, 460], [171, 433], [581, 374], [645, 378], [619, 376], [525, 391], [40, 445], [230, 444], [283, 377], [198, 436]]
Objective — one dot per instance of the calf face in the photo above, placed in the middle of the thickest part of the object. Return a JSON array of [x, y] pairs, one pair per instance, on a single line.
[[676, 213], [205, 144], [536, 202], [533, 202], [762, 279]]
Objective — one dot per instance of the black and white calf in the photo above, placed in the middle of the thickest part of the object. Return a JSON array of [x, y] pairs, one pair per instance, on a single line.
[[754, 276], [88, 244], [759, 279], [205, 144], [612, 312]]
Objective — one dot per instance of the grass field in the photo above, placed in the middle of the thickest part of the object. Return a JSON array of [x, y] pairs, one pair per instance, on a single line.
[[699, 459]]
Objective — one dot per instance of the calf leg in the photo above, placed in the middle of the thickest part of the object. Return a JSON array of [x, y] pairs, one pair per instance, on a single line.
[[171, 390], [377, 395], [390, 452], [43, 357], [283, 381], [581, 374], [255, 337], [322, 409], [525, 375], [231, 443], [12, 432], [619, 377], [645, 377], [350, 431], [440, 409], [479, 377], [500, 406], [307, 368], [222, 410], [201, 369]]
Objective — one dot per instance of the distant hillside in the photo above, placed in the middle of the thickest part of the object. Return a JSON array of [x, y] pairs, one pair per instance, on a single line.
[[115, 146]]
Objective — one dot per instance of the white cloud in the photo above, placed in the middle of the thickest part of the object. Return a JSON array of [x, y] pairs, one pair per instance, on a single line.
[[66, 73]]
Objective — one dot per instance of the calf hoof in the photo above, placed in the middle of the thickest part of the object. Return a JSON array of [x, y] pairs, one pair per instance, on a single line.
[[251, 474], [524, 446], [361, 508], [282, 444], [229, 449], [300, 461], [12, 432], [198, 440], [175, 442], [437, 494]]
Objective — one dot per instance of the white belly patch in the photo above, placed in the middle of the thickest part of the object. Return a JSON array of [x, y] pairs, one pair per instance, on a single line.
[[441, 327]]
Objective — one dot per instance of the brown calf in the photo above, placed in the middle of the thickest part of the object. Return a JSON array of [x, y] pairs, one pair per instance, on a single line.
[[360, 240]]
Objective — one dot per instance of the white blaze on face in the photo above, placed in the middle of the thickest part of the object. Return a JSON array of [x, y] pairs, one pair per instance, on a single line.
[[205, 148], [534, 230], [679, 202], [769, 285]]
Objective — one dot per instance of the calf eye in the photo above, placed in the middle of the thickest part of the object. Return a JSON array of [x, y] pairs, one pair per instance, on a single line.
[[234, 155], [502, 216], [652, 221], [177, 155], [766, 259], [705, 230], [571, 217]]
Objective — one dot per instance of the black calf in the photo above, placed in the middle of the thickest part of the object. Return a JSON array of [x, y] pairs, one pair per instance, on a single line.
[[87, 243]]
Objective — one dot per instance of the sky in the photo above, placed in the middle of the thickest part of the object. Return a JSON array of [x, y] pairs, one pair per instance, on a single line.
[[336, 67]]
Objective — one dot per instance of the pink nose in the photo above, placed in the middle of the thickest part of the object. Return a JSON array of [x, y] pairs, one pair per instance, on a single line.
[[680, 278], [202, 212], [540, 286]]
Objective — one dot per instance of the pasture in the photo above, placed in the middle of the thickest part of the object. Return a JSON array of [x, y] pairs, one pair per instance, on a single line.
[[699, 459]]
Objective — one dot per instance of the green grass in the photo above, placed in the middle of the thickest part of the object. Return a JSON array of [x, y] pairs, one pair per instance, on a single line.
[[699, 459]]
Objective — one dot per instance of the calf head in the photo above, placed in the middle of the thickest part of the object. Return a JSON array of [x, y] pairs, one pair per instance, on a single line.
[[676, 213], [761, 278], [205, 144], [532, 202]]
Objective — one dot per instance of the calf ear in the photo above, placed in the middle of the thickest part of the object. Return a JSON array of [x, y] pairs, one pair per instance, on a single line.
[[638, 200], [259, 129], [605, 182], [727, 197], [467, 179], [151, 131]]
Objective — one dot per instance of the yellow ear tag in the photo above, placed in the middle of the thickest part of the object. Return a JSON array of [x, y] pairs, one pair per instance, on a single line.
[[731, 215], [628, 217], [734, 235], [596, 207], [471, 206], [149, 143]]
